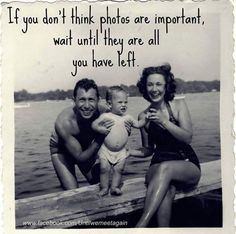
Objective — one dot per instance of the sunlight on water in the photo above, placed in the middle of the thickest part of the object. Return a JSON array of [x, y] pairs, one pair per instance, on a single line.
[[34, 173]]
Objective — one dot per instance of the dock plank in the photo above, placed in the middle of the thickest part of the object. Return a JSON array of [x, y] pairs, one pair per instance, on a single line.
[[84, 203]]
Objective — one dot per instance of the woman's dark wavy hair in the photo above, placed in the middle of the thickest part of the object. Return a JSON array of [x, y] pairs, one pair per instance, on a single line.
[[170, 86]]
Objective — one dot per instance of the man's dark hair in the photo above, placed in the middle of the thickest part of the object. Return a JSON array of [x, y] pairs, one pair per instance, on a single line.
[[85, 84]]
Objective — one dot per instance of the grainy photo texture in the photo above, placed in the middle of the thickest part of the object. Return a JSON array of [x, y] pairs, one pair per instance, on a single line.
[[116, 115]]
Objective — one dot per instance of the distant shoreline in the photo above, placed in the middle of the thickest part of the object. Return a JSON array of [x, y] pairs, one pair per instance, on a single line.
[[182, 87], [102, 98]]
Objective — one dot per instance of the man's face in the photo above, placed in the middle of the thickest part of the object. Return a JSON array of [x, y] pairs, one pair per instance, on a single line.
[[86, 102]]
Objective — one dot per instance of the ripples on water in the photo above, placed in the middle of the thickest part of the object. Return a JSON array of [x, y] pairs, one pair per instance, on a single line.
[[34, 173]]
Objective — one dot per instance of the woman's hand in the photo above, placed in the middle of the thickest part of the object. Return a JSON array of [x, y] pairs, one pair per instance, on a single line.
[[183, 131], [157, 116]]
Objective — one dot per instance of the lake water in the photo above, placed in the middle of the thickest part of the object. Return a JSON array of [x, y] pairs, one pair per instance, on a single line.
[[34, 173]]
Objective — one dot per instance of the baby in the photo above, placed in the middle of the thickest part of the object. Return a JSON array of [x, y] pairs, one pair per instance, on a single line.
[[113, 152]]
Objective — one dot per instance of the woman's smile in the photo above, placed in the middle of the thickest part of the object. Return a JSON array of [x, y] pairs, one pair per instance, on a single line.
[[156, 87]]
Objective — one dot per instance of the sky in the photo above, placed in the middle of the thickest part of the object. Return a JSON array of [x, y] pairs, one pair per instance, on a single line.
[[193, 51]]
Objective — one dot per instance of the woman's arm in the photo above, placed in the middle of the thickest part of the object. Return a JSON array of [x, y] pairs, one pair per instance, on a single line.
[[184, 131]]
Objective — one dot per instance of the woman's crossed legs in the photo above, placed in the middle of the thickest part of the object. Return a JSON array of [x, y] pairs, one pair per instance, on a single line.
[[160, 191]]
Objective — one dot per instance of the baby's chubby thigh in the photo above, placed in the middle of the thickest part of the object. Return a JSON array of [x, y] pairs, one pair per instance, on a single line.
[[111, 156], [120, 163], [117, 175], [121, 156]]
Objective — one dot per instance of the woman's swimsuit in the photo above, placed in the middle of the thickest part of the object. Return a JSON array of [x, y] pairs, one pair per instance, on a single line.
[[167, 146]]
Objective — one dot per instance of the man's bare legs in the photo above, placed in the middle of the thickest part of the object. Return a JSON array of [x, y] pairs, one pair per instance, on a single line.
[[65, 170]]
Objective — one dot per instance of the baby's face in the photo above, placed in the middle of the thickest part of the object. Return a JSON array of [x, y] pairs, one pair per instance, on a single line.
[[119, 103]]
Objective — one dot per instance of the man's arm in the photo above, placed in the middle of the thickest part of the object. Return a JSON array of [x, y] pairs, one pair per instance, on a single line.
[[65, 130], [99, 127]]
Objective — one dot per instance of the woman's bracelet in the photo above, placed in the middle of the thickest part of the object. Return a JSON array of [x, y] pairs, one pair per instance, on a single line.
[[164, 123]]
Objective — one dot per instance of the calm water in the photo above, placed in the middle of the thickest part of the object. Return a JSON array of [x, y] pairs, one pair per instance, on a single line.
[[34, 173]]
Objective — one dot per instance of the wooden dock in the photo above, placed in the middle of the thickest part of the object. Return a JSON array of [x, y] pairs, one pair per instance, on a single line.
[[84, 205]]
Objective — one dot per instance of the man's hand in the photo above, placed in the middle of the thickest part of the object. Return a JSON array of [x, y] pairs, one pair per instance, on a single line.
[[107, 123], [104, 126], [103, 130], [128, 125]]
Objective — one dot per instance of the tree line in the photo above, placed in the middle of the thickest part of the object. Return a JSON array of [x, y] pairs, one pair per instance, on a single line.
[[182, 88]]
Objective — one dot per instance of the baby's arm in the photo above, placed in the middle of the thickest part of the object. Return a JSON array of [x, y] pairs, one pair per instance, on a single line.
[[148, 145], [102, 124], [138, 123]]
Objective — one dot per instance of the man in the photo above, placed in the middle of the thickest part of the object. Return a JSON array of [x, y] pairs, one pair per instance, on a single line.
[[73, 142]]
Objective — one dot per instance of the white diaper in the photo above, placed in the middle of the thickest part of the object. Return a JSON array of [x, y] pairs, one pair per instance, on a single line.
[[112, 157]]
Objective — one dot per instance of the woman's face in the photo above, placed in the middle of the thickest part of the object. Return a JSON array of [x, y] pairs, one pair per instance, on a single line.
[[156, 87]]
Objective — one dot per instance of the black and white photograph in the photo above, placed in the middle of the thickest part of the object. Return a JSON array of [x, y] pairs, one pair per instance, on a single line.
[[118, 115]]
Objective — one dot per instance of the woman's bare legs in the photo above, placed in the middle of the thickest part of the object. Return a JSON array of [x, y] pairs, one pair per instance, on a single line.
[[159, 178], [163, 214]]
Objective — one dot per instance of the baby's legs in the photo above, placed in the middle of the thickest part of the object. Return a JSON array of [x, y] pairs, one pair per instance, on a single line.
[[116, 179], [105, 168]]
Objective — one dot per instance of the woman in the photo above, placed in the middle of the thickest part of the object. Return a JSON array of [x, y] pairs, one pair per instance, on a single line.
[[167, 136]]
